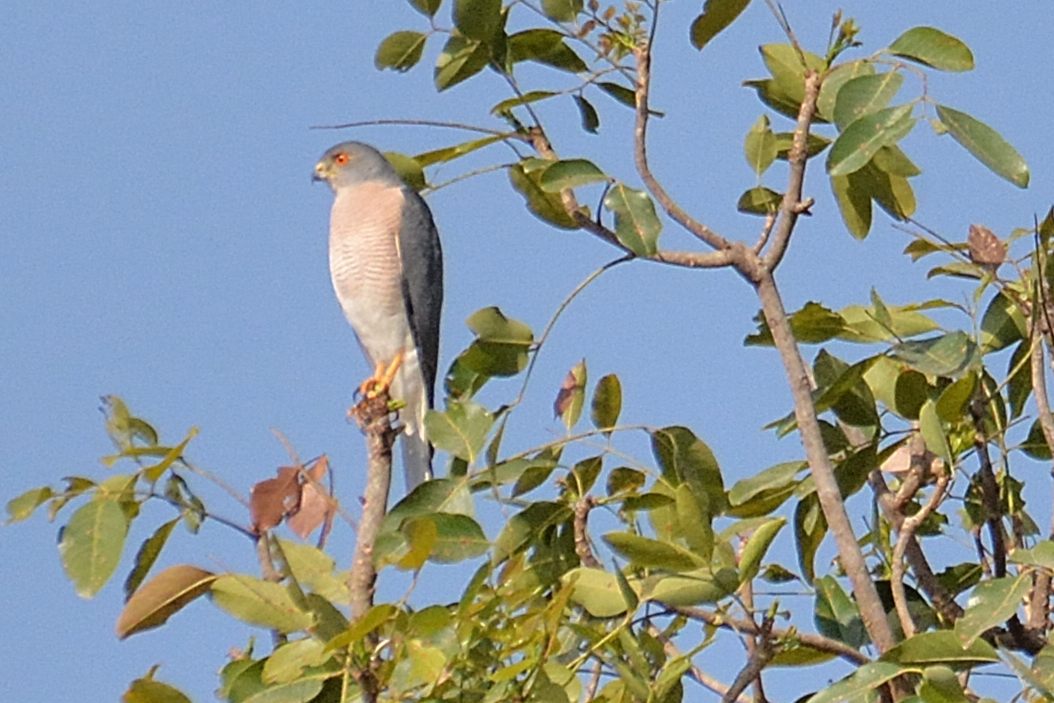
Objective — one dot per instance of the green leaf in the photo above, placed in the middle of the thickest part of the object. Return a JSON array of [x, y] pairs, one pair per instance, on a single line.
[[691, 588], [940, 647], [531, 96], [1002, 324], [759, 201], [933, 432], [716, 16], [295, 692], [408, 168], [693, 518], [545, 206], [400, 51], [259, 602], [651, 553], [810, 526], [571, 396], [597, 591], [460, 430], [621, 93], [607, 402], [759, 148], [764, 492], [149, 691], [854, 203], [458, 537], [450, 153], [685, 458], [941, 685], [478, 19], [784, 62], [562, 10], [22, 507], [836, 614], [986, 145], [947, 355], [814, 144], [637, 226], [588, 113], [148, 553], [624, 480], [314, 569], [859, 142], [934, 48], [757, 546], [953, 400], [892, 193], [162, 597], [460, 59], [862, 681], [865, 95], [502, 343], [91, 545], [547, 47], [836, 78], [892, 160], [991, 603], [288, 661], [426, 7], [420, 665], [570, 173]]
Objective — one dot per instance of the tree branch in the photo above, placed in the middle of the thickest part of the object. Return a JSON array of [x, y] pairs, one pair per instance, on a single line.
[[374, 418], [852, 558], [745, 625], [1039, 601], [792, 205], [906, 533], [640, 156]]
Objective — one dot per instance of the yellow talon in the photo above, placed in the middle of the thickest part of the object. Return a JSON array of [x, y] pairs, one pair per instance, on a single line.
[[382, 377]]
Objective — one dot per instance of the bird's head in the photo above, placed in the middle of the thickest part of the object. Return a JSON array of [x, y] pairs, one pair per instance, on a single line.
[[351, 163]]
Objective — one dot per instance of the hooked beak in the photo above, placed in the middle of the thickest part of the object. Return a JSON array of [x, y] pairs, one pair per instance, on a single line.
[[321, 172]]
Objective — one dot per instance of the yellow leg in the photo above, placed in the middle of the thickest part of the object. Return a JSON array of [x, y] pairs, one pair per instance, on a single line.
[[382, 377]]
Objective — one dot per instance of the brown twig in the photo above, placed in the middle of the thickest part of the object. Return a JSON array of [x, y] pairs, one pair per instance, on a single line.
[[792, 205], [760, 656], [940, 597], [830, 497], [906, 533], [1039, 602], [582, 547], [696, 674], [640, 155], [817, 642], [374, 418]]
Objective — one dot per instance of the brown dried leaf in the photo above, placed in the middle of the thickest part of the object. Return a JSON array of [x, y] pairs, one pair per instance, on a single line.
[[315, 504], [272, 499], [986, 249]]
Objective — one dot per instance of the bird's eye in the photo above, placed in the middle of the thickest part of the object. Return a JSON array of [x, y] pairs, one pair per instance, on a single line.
[[341, 158]]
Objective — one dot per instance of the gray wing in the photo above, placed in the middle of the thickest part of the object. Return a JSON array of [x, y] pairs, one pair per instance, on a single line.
[[422, 260]]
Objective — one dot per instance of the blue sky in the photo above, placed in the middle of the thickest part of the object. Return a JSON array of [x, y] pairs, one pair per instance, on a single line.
[[160, 239]]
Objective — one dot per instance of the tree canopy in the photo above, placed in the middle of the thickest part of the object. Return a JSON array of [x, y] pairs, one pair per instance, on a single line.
[[895, 553]]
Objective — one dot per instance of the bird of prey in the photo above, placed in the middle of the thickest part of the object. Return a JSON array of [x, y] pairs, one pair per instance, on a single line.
[[387, 270]]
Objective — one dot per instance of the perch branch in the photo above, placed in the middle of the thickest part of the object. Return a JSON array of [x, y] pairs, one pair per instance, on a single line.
[[906, 533]]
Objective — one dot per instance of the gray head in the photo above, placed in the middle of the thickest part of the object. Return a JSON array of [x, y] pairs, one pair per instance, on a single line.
[[351, 163]]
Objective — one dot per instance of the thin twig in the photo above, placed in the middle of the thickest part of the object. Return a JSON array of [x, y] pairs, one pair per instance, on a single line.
[[696, 674], [422, 123], [1039, 602], [818, 642], [906, 533], [582, 546], [792, 205], [640, 155]]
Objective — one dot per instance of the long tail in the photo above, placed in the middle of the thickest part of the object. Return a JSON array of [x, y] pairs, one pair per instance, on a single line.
[[416, 449]]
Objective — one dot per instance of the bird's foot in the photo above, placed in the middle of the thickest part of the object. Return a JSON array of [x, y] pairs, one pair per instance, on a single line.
[[381, 380]]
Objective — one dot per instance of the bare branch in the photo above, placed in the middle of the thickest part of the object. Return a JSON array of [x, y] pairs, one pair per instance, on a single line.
[[374, 419], [1039, 602], [698, 229], [792, 205], [906, 533], [582, 547], [852, 558], [817, 642]]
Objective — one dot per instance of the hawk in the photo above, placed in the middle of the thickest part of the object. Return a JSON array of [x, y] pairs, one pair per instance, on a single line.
[[386, 265]]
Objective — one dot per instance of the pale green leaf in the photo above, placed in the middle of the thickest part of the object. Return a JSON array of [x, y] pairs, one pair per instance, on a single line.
[[987, 145], [91, 544], [934, 48]]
